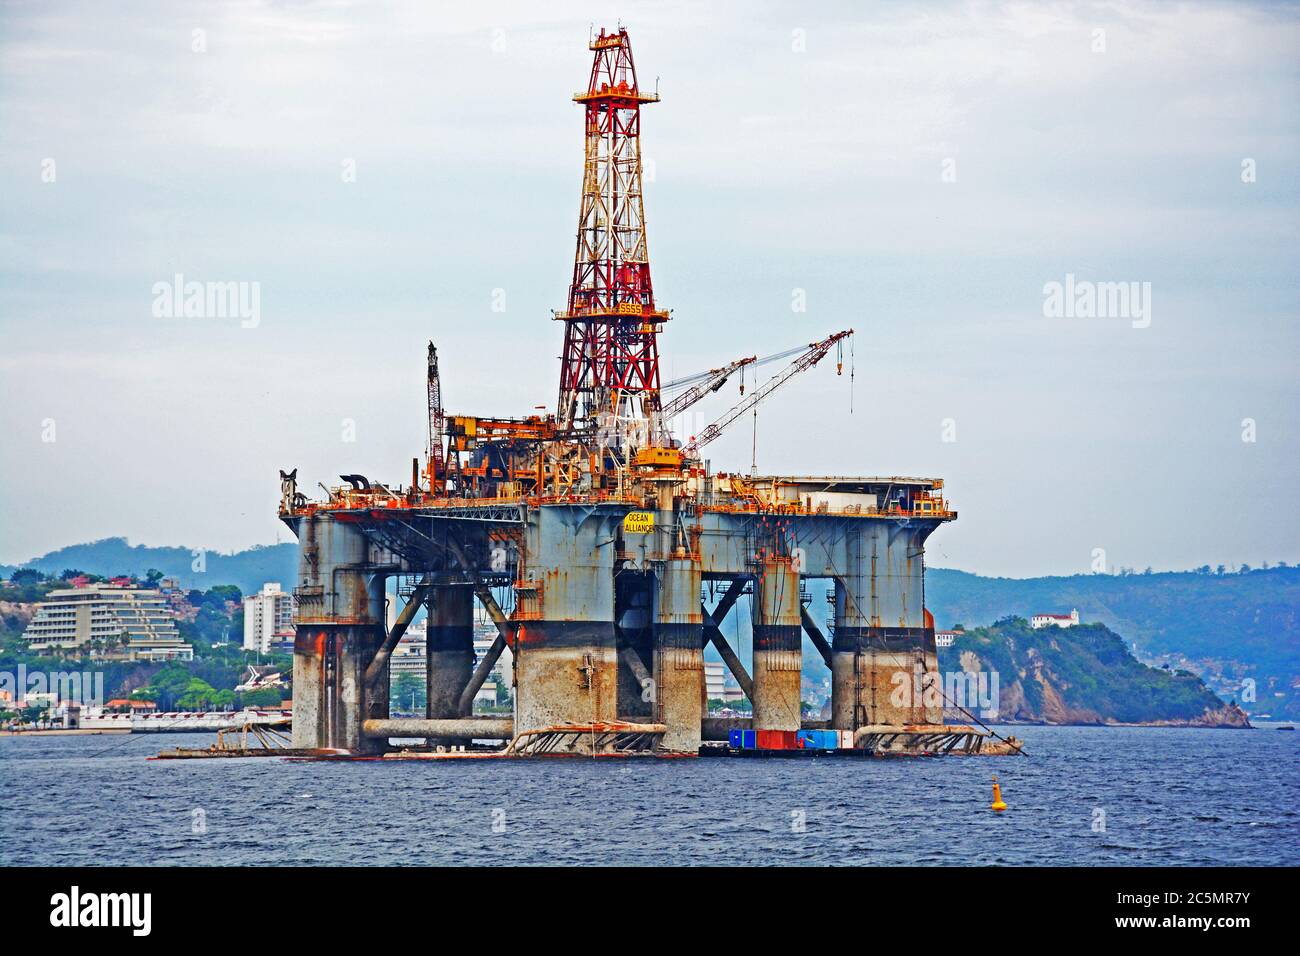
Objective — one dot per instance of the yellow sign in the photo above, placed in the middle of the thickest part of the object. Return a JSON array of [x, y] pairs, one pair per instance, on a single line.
[[639, 522]]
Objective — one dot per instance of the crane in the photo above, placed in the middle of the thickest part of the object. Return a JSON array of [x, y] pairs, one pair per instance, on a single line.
[[436, 428], [713, 379], [709, 381], [810, 356]]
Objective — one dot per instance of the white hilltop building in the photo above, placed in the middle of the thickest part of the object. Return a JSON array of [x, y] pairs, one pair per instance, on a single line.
[[1055, 620], [945, 638]]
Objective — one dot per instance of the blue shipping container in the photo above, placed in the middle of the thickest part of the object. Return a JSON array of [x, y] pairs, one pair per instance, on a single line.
[[748, 740], [819, 739], [734, 739]]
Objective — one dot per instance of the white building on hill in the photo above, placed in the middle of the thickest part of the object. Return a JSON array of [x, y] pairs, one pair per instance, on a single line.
[[107, 620], [1055, 620], [945, 638]]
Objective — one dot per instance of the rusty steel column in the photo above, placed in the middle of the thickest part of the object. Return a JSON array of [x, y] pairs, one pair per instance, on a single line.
[[777, 646], [360, 643], [566, 658], [679, 654], [884, 663], [340, 629], [450, 650]]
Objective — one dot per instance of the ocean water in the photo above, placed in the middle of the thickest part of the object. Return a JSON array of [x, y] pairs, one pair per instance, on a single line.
[[1084, 796]]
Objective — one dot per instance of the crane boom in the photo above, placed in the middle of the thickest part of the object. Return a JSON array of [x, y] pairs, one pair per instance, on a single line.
[[714, 379], [815, 352], [436, 427]]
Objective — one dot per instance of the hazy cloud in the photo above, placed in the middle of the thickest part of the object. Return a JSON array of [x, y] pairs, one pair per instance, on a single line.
[[775, 169]]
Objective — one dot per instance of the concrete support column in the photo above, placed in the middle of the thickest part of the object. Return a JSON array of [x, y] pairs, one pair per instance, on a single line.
[[777, 645], [884, 663], [566, 658], [309, 704], [450, 648], [851, 702], [355, 647], [450, 651], [340, 628], [679, 654]]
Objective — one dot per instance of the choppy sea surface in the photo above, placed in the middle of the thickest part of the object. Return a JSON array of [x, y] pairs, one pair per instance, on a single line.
[[1084, 796]]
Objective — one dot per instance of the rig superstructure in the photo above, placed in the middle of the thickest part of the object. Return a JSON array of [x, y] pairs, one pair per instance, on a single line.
[[594, 538]]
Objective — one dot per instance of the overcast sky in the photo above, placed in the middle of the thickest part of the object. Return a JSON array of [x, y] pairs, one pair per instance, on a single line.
[[920, 172]]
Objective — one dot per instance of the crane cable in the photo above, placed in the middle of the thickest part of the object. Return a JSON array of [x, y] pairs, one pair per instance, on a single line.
[[701, 376]]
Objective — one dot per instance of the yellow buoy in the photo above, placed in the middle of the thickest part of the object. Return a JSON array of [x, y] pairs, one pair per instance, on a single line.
[[998, 805]]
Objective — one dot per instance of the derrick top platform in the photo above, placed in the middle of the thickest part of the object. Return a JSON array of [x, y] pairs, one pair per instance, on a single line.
[[620, 92], [613, 75]]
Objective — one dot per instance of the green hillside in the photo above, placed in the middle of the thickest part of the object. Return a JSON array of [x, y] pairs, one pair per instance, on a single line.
[[1228, 628], [1081, 675]]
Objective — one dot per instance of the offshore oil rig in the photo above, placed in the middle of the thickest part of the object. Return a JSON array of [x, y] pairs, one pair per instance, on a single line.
[[604, 548]]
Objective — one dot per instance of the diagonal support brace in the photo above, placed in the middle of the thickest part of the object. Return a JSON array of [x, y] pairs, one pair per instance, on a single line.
[[380, 661], [505, 630], [712, 634]]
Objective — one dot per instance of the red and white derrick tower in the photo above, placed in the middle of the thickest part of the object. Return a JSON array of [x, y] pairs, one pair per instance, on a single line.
[[610, 363]]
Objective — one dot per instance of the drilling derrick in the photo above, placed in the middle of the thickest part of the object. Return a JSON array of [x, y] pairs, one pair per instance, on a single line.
[[610, 361]]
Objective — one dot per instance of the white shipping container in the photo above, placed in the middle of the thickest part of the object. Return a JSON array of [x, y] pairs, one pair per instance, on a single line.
[[839, 500]]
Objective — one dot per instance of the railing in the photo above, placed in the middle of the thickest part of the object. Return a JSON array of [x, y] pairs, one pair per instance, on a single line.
[[740, 504], [733, 506], [528, 599], [615, 93], [602, 497], [354, 502]]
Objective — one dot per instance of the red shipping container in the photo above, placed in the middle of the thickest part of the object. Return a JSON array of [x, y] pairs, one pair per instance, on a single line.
[[777, 739]]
